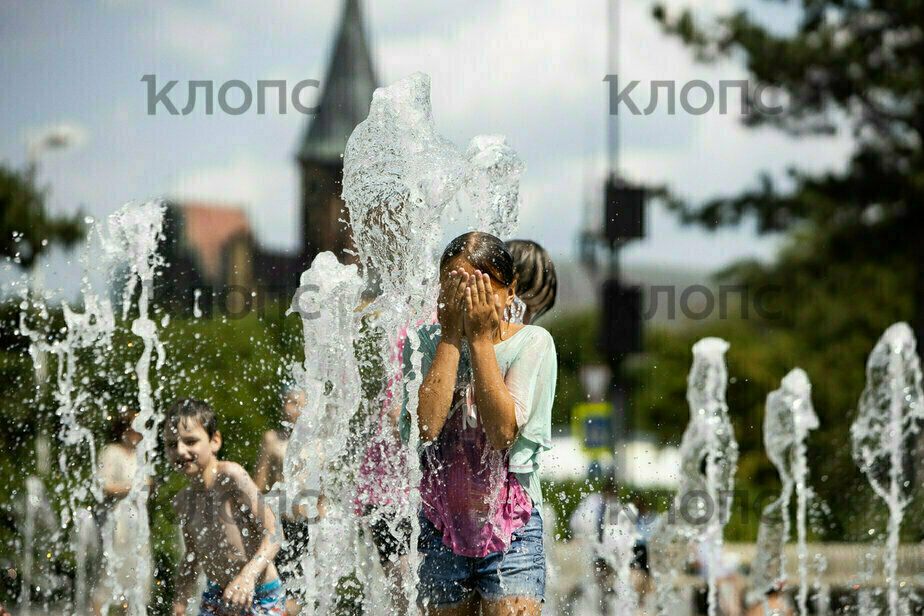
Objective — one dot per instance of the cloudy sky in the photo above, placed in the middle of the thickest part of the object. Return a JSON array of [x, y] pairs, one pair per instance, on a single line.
[[532, 71]]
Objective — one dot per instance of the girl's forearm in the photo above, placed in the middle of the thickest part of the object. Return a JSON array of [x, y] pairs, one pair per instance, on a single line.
[[435, 394], [495, 404]]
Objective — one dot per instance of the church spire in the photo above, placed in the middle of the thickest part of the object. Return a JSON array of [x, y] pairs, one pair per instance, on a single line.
[[346, 92]]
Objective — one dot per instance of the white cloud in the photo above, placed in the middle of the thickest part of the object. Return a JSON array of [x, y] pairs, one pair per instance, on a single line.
[[191, 33]]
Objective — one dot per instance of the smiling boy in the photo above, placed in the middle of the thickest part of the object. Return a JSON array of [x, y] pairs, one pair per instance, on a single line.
[[229, 532]]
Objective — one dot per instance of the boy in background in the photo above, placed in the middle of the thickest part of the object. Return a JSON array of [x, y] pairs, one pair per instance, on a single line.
[[229, 532]]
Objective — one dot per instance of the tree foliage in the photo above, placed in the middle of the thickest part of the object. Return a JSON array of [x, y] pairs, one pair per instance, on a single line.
[[26, 228], [846, 65]]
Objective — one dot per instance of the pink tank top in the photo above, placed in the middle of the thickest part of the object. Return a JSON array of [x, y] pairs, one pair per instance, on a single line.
[[468, 492], [383, 471]]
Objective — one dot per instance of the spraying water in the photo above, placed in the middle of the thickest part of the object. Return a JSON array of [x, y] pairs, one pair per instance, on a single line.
[[83, 539], [399, 176], [135, 231], [709, 457], [493, 184], [787, 422], [326, 301], [36, 516], [129, 245], [620, 533], [889, 414]]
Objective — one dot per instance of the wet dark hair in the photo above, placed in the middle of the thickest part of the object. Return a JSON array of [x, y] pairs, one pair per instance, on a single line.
[[485, 252], [190, 408], [121, 423], [537, 284]]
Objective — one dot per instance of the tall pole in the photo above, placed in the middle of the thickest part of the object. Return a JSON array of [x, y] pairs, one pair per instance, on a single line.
[[619, 395], [612, 68], [51, 140]]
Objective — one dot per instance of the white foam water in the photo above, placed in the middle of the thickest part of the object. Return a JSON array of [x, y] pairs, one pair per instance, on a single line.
[[889, 414], [135, 231], [620, 533], [788, 419], [326, 301], [129, 248], [709, 457]]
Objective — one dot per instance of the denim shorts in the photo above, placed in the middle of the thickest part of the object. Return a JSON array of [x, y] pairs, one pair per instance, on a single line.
[[447, 579]]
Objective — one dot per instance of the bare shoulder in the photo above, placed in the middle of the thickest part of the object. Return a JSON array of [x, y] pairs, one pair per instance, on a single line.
[[270, 439], [232, 473], [514, 328]]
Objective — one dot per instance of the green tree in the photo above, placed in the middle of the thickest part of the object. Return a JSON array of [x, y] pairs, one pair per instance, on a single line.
[[26, 228]]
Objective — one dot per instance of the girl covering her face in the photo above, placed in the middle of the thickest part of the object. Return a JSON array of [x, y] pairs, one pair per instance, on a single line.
[[484, 416]]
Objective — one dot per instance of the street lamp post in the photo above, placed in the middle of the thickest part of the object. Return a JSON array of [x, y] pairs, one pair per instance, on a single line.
[[51, 139]]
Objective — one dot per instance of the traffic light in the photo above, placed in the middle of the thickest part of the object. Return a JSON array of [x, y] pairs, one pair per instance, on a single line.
[[625, 211], [621, 329]]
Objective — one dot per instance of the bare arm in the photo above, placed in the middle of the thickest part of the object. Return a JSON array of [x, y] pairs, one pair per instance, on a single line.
[[495, 404], [439, 385], [437, 391], [111, 461], [188, 571], [239, 592], [261, 474]]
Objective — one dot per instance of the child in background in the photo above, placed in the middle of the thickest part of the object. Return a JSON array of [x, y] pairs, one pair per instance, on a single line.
[[121, 553], [382, 491], [228, 532], [537, 284], [484, 416], [270, 472], [273, 448]]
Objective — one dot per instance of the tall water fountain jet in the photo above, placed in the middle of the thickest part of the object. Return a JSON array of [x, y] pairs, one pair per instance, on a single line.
[[399, 178], [709, 458], [889, 414], [326, 301], [131, 248], [620, 534], [789, 418], [129, 245]]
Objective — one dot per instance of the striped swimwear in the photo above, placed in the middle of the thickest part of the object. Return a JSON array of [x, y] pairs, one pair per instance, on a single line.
[[268, 600]]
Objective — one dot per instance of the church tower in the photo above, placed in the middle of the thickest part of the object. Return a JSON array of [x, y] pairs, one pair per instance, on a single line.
[[346, 94]]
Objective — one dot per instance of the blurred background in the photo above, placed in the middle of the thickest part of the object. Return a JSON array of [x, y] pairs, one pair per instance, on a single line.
[[793, 235]]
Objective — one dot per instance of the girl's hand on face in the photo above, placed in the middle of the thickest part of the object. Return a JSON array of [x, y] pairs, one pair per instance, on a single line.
[[450, 306], [482, 317]]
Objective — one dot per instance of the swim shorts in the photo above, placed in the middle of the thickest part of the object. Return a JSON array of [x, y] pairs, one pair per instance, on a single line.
[[268, 600]]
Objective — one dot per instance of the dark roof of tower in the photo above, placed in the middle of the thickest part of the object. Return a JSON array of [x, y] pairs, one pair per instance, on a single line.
[[346, 92]]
